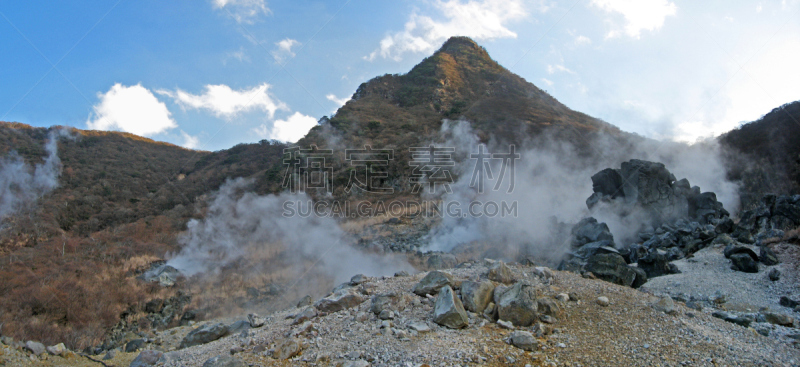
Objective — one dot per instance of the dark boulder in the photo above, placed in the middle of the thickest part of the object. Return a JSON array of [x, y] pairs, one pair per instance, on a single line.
[[744, 262], [611, 268], [655, 264], [768, 257], [204, 334], [588, 230]]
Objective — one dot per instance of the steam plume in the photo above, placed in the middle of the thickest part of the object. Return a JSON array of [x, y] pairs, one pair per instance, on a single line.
[[241, 224], [21, 184], [552, 183]]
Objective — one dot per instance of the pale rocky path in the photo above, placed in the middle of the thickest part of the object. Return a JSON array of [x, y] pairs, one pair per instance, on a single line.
[[627, 332]]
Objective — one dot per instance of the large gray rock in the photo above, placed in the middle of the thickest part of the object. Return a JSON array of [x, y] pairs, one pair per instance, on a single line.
[[476, 295], [523, 340], [516, 304], [339, 300], [204, 334], [146, 358], [239, 326], [448, 310], [611, 268], [223, 361], [35, 347], [501, 273], [649, 188], [431, 283]]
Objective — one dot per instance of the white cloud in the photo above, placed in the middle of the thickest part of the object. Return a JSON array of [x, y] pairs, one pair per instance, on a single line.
[[284, 50], [289, 130], [552, 69], [548, 82], [238, 55], [189, 142], [478, 19], [759, 8], [339, 101], [582, 40], [243, 11], [226, 102], [639, 15], [131, 109]]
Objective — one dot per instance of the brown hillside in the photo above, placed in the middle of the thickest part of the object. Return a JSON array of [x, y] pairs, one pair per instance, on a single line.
[[765, 155]]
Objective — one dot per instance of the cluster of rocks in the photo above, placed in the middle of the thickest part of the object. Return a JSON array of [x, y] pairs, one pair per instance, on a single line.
[[675, 220], [770, 219], [37, 351]]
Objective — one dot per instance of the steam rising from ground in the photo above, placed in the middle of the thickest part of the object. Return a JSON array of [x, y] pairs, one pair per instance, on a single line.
[[21, 184], [553, 181], [241, 225]]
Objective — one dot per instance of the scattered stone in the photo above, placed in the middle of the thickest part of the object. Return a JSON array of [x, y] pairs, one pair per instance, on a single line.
[[305, 301], [523, 340], [448, 310], [505, 324], [239, 326], [778, 319], [386, 315], [731, 317], [563, 297], [547, 306], [501, 273], [134, 345], [57, 349], [603, 301], [255, 320], [544, 273], [339, 300], [223, 361], [287, 348], [431, 283], [517, 304], [655, 264], [401, 273], [774, 274], [358, 279], [308, 313], [788, 302], [35, 347], [419, 327], [146, 358], [476, 295], [110, 355], [666, 305], [204, 334]]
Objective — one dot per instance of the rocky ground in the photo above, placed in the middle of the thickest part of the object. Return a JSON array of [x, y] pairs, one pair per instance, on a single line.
[[635, 327]]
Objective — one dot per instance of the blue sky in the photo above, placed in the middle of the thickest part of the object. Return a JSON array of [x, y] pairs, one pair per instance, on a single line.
[[209, 74]]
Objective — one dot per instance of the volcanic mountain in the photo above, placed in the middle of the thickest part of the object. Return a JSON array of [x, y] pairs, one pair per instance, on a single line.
[[68, 261]]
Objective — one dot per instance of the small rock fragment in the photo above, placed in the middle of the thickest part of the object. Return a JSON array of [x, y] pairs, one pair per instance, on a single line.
[[603, 301], [523, 340]]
